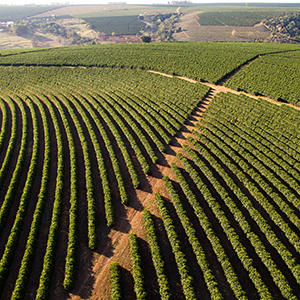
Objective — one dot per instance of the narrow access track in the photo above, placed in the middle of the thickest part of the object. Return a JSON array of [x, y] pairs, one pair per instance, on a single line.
[[117, 249], [97, 286], [221, 88]]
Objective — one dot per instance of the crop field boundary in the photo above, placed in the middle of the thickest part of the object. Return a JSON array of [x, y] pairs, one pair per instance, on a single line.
[[147, 199], [119, 236]]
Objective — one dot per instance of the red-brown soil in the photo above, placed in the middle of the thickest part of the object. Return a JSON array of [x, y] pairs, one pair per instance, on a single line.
[[97, 285]]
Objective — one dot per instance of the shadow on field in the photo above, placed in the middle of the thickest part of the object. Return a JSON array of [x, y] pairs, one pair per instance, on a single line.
[[127, 284]]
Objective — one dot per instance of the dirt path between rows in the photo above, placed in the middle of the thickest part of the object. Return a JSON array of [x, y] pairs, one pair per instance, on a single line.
[[97, 284], [115, 247], [224, 89]]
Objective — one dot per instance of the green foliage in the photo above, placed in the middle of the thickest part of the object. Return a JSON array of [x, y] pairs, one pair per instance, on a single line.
[[12, 141], [191, 234], [48, 263], [119, 25], [115, 279], [211, 235], [146, 39], [186, 279], [265, 77], [25, 269], [13, 185], [230, 132], [12, 242], [231, 234], [138, 276], [112, 107], [235, 18], [3, 130], [157, 259], [200, 61]]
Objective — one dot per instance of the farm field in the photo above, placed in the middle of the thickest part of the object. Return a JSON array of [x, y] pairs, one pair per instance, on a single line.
[[200, 61], [53, 26], [101, 24], [119, 181], [126, 25], [265, 76]]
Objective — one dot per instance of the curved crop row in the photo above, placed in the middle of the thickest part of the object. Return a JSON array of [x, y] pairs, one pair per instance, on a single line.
[[228, 230], [48, 261], [12, 141], [158, 262], [222, 257], [115, 279], [197, 248], [109, 210], [138, 276], [26, 264], [108, 143], [7, 203], [185, 277], [3, 130], [276, 274], [70, 266], [12, 242]]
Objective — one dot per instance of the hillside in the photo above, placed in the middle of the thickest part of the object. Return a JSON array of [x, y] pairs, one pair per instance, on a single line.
[[52, 26], [138, 170]]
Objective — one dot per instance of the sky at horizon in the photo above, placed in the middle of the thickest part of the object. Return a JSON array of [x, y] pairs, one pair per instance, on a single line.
[[48, 2]]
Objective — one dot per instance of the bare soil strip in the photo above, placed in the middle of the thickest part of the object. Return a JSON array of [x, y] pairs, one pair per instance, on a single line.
[[224, 89], [97, 284], [118, 247]]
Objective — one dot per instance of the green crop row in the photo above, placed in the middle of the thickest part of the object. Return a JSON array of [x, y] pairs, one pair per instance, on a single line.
[[157, 259], [230, 148], [12, 141], [231, 234], [100, 96], [222, 257], [256, 170], [258, 143], [70, 266], [115, 279], [48, 262], [138, 276], [256, 123], [197, 248], [108, 144], [99, 99], [268, 159], [26, 264], [3, 130], [109, 209], [116, 134], [110, 112], [12, 241], [279, 124], [144, 109], [265, 77], [13, 185], [200, 61], [182, 266], [276, 274], [138, 119]]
